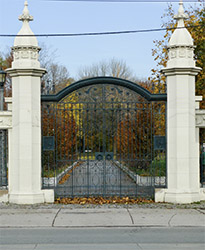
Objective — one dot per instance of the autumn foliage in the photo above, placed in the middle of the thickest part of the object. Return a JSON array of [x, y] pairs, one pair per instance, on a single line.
[[195, 24], [102, 200], [59, 123]]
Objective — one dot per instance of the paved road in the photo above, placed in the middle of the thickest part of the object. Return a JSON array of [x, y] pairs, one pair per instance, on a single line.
[[104, 238], [100, 178]]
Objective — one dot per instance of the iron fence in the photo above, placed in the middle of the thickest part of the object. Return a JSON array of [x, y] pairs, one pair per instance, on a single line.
[[3, 158], [202, 165]]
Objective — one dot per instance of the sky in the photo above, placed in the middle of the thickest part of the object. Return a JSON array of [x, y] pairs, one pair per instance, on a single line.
[[86, 16]]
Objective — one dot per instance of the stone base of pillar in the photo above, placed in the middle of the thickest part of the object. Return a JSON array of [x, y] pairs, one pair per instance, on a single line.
[[202, 194], [48, 195], [32, 198], [176, 196], [45, 196]]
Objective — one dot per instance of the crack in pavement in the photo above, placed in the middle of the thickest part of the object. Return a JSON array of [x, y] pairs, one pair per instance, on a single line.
[[139, 246], [169, 222], [56, 217], [199, 210], [35, 246], [130, 216]]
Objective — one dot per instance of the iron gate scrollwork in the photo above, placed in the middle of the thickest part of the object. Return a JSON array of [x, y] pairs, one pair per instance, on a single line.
[[105, 131]]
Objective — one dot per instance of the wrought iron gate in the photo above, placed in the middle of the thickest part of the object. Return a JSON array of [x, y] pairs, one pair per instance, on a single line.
[[3, 158], [202, 164], [104, 137]]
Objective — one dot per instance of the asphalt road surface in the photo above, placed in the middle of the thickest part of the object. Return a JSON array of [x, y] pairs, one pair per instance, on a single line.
[[100, 178], [180, 238]]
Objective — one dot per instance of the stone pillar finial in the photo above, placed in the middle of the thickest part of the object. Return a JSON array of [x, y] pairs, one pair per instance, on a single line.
[[181, 46], [25, 15], [25, 49], [180, 16]]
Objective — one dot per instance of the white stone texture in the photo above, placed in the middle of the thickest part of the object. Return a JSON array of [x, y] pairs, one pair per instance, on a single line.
[[183, 146], [200, 118], [202, 194], [5, 120], [8, 101], [25, 50], [48, 195], [198, 99], [26, 138], [181, 47], [25, 152]]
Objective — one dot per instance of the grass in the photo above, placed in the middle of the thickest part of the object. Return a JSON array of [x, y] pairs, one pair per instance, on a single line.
[[49, 173], [157, 168]]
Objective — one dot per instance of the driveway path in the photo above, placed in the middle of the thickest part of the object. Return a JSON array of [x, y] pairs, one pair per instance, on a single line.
[[100, 178]]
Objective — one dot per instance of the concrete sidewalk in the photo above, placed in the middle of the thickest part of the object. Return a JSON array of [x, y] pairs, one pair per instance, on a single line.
[[100, 217]]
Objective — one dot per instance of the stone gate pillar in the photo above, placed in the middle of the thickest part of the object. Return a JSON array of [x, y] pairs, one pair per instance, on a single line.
[[25, 154], [182, 147]]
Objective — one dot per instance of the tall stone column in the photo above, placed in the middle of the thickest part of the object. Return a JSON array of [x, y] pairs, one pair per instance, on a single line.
[[182, 147], [25, 154]]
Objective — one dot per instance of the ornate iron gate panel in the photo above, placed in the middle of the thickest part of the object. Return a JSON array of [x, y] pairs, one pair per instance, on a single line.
[[103, 139], [3, 158]]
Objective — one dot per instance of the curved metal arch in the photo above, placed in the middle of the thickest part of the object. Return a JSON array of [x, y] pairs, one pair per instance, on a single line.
[[104, 80]]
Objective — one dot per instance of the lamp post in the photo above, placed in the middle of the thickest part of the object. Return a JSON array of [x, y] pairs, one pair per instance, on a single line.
[[2, 81]]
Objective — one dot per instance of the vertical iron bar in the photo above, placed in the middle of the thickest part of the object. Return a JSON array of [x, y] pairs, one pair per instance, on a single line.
[[100, 128], [95, 127], [48, 151], [151, 144], [132, 132], [60, 126], [120, 141], [64, 130], [128, 135], [1, 98], [146, 145], [143, 133], [136, 145], [87, 139], [54, 132], [6, 158], [112, 131], [76, 133], [104, 138], [72, 143], [140, 133], [80, 130], [166, 179]]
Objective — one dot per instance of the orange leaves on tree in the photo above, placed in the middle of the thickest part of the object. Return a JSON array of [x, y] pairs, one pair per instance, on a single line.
[[196, 21]]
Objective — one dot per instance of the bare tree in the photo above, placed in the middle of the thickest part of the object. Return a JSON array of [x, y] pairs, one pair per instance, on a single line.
[[57, 76], [6, 59], [114, 67]]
